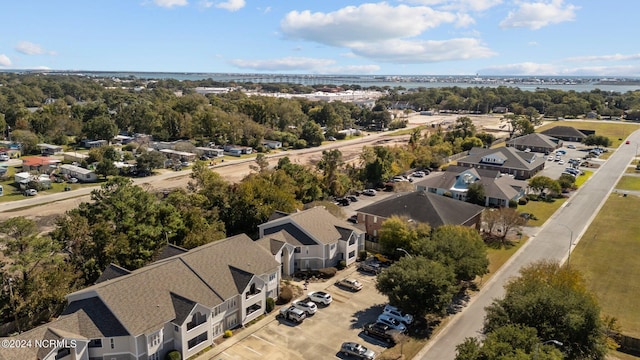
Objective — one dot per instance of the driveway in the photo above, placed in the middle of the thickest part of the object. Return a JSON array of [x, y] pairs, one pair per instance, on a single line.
[[317, 337]]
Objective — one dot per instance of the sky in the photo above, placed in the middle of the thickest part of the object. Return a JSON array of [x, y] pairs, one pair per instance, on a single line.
[[401, 37]]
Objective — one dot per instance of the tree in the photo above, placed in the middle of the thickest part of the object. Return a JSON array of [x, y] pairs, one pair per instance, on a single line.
[[27, 140], [100, 128], [261, 165], [150, 160], [476, 194], [330, 165], [509, 219], [461, 248], [312, 134], [542, 183], [597, 140], [418, 285], [396, 232], [555, 301]]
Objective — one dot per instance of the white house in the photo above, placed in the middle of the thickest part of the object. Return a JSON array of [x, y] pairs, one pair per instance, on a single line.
[[180, 303], [311, 239], [82, 174]]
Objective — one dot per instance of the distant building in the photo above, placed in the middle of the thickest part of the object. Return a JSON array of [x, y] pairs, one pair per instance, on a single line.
[[566, 133], [48, 149], [539, 143], [272, 144], [82, 174], [507, 160], [41, 164]]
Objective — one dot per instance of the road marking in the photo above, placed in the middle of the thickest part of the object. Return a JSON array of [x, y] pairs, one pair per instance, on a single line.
[[250, 349], [228, 355], [268, 342]]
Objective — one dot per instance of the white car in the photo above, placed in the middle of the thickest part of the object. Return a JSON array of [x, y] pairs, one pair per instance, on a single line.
[[391, 322], [320, 297], [419, 174], [561, 162], [30, 192], [399, 178], [550, 158], [369, 192], [4, 157], [395, 313], [350, 284], [571, 146], [307, 306]]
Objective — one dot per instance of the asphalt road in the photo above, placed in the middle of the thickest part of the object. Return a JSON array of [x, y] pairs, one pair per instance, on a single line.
[[553, 241]]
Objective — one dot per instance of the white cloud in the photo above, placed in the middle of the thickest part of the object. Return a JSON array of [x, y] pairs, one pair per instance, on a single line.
[[283, 64], [206, 4], [29, 48], [525, 68], [596, 58], [464, 20], [4, 60], [231, 5], [423, 51], [537, 15], [364, 23], [458, 5], [170, 3]]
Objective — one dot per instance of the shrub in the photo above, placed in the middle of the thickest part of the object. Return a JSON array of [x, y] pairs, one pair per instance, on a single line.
[[513, 204], [327, 273], [523, 201], [173, 355], [340, 136], [362, 255], [286, 294], [300, 144], [270, 304], [228, 333], [341, 265]]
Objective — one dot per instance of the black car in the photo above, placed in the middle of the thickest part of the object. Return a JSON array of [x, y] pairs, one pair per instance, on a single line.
[[353, 219], [380, 331], [370, 268], [352, 198], [343, 201]]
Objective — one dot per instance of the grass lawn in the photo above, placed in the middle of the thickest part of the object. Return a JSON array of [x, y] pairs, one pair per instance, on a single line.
[[580, 180], [613, 131], [541, 209], [616, 355], [632, 170], [608, 255], [497, 257], [629, 183], [408, 131]]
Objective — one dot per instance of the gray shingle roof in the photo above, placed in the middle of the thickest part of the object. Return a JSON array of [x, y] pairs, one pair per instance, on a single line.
[[272, 244], [564, 131], [182, 307], [514, 159], [534, 140], [425, 207], [317, 222], [111, 272]]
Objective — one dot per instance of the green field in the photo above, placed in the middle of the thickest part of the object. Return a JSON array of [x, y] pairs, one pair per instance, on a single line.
[[608, 255], [614, 131], [541, 209], [629, 183]]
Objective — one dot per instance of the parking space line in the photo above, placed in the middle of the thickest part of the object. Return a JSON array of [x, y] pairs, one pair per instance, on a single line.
[[250, 349], [267, 341], [229, 355]]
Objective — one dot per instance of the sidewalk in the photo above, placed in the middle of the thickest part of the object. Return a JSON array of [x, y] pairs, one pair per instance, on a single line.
[[214, 352]]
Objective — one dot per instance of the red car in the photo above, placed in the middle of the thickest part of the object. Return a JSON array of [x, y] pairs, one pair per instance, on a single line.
[[627, 142]]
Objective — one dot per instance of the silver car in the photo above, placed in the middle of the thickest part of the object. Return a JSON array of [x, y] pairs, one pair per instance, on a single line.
[[357, 350], [307, 306]]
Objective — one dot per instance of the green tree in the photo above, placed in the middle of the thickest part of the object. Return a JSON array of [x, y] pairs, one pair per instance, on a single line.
[[418, 285], [396, 232], [100, 128], [312, 134], [26, 139], [597, 140], [555, 301], [461, 248], [544, 183], [150, 160], [476, 194]]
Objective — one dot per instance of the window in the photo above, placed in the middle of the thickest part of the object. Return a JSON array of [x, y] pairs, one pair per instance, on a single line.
[[297, 250], [196, 320], [375, 232], [154, 340], [333, 246], [197, 340], [375, 219], [95, 343], [217, 330], [113, 345], [352, 254], [272, 277], [154, 357], [176, 328], [352, 240]]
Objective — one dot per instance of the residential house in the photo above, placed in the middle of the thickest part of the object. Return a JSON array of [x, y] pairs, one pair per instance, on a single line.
[[235, 150], [181, 303], [311, 239], [181, 155], [566, 133], [210, 152], [172, 145], [508, 160], [90, 144], [417, 206], [535, 142], [74, 156], [272, 144], [40, 164], [499, 188], [48, 149], [82, 174]]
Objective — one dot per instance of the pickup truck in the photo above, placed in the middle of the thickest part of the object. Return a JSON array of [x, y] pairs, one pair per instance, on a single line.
[[292, 313], [380, 331]]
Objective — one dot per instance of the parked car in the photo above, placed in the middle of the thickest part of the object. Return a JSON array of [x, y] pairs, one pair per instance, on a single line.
[[350, 284], [397, 314], [320, 297], [352, 198], [391, 322], [627, 142], [571, 146], [419, 174], [30, 192], [353, 219], [550, 158], [307, 306], [380, 331], [399, 178], [357, 350], [4, 157], [343, 201], [561, 162], [382, 259], [369, 192], [292, 313], [72, 180], [370, 268], [331, 138]]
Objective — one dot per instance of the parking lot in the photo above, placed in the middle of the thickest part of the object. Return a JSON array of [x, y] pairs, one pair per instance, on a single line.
[[320, 335], [554, 169]]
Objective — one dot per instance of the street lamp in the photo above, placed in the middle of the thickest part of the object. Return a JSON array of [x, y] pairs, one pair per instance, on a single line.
[[555, 342], [570, 242], [404, 251]]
